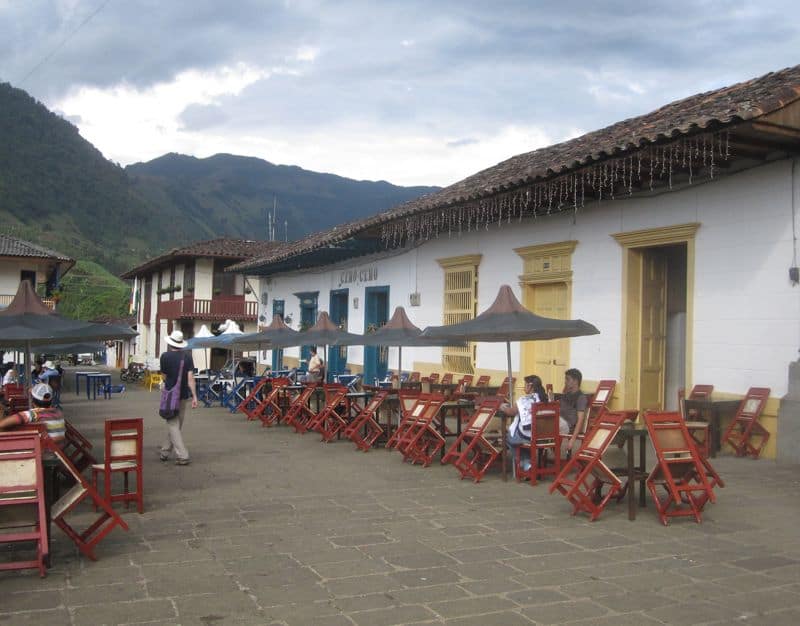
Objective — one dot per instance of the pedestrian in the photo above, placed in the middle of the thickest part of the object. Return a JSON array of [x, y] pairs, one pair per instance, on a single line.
[[170, 364]]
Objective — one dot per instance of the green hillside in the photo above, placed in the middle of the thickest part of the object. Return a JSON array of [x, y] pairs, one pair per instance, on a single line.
[[88, 291]]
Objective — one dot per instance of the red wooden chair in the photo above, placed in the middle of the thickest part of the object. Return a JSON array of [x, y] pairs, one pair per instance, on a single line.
[[364, 430], [22, 498], [465, 381], [16, 398], [483, 381], [598, 403], [583, 477], [251, 405], [331, 418], [408, 401], [413, 377], [447, 379], [87, 539], [483, 442], [744, 426], [77, 448], [698, 427], [433, 377], [420, 439], [299, 413], [477, 422], [545, 440], [680, 472], [505, 387], [273, 403], [123, 455]]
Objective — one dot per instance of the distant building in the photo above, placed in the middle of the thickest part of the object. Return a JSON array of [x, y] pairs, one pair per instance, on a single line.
[[119, 351], [23, 260], [187, 287], [672, 232]]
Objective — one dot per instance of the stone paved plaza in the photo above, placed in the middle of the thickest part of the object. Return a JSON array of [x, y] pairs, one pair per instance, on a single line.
[[267, 526]]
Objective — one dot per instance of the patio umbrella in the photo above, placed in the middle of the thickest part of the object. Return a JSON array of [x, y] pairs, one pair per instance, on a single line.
[[28, 323], [224, 340], [507, 320], [326, 333], [400, 332], [276, 335], [204, 333]]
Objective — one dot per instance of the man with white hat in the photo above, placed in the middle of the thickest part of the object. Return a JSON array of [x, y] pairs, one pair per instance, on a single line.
[[42, 411], [171, 362]]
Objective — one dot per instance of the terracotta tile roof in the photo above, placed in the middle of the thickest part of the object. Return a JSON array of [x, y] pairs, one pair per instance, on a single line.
[[222, 248], [11, 246], [691, 116]]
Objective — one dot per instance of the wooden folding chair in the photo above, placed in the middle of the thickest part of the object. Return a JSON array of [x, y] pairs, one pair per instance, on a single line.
[[87, 539], [331, 419], [599, 402], [744, 426], [465, 381], [483, 381], [680, 472], [413, 377], [447, 379], [698, 427], [505, 387], [433, 377], [251, 404], [420, 440], [583, 477], [23, 516], [545, 440], [123, 455], [299, 413], [408, 401], [270, 410], [364, 429], [484, 411]]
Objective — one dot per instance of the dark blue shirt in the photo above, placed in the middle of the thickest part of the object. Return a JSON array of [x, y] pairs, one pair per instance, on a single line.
[[170, 362]]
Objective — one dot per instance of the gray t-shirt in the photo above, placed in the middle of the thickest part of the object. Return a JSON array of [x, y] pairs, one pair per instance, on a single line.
[[571, 404]]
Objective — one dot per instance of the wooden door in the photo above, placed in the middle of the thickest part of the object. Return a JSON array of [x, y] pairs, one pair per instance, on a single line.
[[653, 329], [547, 359]]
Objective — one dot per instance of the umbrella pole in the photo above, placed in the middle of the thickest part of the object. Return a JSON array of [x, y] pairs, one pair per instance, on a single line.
[[504, 450], [399, 367], [28, 368]]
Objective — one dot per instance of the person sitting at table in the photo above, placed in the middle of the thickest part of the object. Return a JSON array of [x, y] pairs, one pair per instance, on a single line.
[[41, 412], [37, 369], [10, 377], [315, 368], [48, 371], [573, 406], [520, 430]]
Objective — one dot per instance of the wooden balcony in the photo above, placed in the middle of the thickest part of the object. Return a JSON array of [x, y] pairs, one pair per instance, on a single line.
[[6, 298], [222, 308]]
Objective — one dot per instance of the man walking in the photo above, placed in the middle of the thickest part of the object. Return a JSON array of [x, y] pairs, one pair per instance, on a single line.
[[170, 365]]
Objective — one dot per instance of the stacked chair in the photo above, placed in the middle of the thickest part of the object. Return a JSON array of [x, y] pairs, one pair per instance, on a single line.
[[679, 483], [585, 475], [364, 430], [745, 434], [545, 441], [599, 402], [332, 418], [251, 405], [416, 436], [697, 427], [480, 441], [299, 413], [271, 409]]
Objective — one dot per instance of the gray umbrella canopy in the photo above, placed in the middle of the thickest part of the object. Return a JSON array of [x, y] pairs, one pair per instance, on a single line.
[[326, 333], [276, 335], [507, 320], [28, 323]]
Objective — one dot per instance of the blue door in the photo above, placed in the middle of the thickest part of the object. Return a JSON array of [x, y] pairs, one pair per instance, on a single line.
[[376, 314], [308, 317], [337, 355], [277, 355]]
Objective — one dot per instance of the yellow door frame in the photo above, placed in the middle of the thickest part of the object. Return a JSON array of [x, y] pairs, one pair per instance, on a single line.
[[632, 244]]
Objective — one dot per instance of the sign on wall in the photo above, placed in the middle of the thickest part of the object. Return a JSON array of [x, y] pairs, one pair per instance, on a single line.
[[358, 275]]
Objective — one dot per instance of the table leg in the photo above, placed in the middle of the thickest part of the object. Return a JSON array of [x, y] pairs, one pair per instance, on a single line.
[[631, 480], [713, 432], [504, 448], [642, 469]]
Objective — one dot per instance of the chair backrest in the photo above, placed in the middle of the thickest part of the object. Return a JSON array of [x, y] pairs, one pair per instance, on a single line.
[[124, 438], [483, 414], [21, 474], [701, 392], [669, 435], [433, 377], [334, 391], [482, 381], [413, 377], [375, 401], [447, 379], [408, 398], [605, 389], [504, 388], [601, 435], [13, 389], [753, 403], [545, 420], [281, 381], [465, 381]]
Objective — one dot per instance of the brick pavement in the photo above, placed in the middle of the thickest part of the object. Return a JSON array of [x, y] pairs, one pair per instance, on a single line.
[[267, 526]]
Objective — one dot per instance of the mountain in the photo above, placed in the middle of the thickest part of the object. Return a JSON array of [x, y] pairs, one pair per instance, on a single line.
[[58, 190], [231, 195]]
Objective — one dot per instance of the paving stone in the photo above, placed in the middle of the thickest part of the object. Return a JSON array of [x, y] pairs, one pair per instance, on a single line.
[[425, 577], [484, 571], [103, 594], [639, 601], [359, 540], [763, 563], [423, 595], [493, 585], [52, 617], [563, 612], [530, 597], [125, 612], [540, 548], [471, 606], [351, 568], [362, 584], [397, 615], [30, 600], [693, 613], [420, 560], [506, 618], [213, 608], [482, 554]]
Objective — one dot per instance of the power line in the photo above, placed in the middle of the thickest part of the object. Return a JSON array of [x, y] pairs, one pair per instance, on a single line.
[[52, 53]]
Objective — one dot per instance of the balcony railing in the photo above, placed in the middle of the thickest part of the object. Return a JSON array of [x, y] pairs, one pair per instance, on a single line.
[[231, 307], [6, 298]]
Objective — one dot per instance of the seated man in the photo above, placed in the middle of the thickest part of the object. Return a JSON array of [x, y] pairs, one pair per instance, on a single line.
[[42, 411], [573, 406], [315, 368], [48, 370], [520, 430], [10, 377]]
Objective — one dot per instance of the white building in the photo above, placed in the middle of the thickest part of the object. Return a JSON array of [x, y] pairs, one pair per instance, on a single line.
[[671, 232], [23, 260], [187, 287]]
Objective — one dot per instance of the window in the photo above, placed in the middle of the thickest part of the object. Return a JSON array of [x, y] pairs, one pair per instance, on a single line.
[[188, 277], [460, 305]]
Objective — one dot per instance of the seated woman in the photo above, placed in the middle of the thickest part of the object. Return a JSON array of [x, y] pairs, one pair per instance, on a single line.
[[520, 430], [10, 377]]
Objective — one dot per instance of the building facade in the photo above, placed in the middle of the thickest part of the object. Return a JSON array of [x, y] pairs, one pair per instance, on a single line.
[[187, 287], [671, 232], [23, 260]]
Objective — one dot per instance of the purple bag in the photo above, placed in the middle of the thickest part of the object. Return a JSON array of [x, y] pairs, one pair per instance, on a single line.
[[171, 398]]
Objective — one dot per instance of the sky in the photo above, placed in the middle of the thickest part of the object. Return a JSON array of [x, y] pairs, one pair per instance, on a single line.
[[413, 92]]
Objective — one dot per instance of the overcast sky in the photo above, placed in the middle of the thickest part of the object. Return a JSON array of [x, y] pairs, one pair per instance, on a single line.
[[413, 92]]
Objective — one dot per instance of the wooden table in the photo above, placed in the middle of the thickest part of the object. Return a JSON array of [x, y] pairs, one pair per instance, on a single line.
[[631, 471], [712, 411]]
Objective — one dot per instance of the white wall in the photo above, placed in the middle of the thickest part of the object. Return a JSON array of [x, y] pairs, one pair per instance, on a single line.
[[746, 313]]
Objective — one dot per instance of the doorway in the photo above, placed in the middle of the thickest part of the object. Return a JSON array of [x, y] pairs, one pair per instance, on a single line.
[[308, 317], [376, 314], [277, 353], [547, 359], [338, 311]]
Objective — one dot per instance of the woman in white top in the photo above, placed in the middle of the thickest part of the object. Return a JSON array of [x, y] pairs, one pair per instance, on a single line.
[[10, 377], [520, 430]]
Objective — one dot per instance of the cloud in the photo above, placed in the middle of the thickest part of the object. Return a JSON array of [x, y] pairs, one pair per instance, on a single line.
[[413, 92]]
